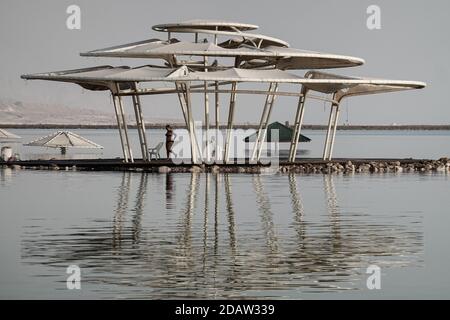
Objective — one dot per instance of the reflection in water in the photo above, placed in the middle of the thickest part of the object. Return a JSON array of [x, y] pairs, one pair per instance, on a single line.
[[220, 246], [138, 209], [170, 191], [5, 176], [262, 200], [122, 206], [297, 208]]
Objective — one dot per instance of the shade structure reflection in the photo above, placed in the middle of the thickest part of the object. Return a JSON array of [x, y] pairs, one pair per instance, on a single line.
[[225, 237]]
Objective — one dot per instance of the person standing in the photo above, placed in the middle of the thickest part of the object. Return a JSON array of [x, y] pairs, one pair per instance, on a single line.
[[170, 139]]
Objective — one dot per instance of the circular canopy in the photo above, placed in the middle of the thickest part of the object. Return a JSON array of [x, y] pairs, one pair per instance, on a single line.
[[106, 76], [204, 25], [281, 57]]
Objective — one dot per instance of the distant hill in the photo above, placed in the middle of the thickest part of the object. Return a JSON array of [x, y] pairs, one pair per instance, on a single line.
[[23, 113]]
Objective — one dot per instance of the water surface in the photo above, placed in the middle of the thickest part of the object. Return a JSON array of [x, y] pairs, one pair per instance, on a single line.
[[143, 235], [355, 143]]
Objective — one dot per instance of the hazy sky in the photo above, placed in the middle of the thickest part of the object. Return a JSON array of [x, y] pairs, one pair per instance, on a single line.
[[411, 45]]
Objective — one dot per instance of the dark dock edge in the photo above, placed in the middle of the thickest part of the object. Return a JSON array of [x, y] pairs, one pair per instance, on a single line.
[[313, 165]]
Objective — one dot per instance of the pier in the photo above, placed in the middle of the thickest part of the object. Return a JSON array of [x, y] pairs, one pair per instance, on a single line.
[[306, 165]]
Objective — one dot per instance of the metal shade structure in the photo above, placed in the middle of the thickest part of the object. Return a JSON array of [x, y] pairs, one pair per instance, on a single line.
[[6, 136], [255, 58], [284, 134], [64, 140]]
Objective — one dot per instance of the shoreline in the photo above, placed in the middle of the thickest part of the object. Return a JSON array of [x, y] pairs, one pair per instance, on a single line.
[[223, 126]]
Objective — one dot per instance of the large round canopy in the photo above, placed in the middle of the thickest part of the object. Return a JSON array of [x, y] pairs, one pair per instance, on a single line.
[[316, 81], [251, 57]]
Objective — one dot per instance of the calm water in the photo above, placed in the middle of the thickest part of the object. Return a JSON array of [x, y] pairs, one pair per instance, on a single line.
[[138, 235]]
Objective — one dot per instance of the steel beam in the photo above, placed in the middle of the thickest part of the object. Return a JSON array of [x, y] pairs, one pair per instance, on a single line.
[[266, 122], [119, 126], [336, 119], [327, 138], [182, 97], [297, 125], [190, 118], [230, 122], [217, 118], [140, 125], [261, 122], [206, 123], [125, 127]]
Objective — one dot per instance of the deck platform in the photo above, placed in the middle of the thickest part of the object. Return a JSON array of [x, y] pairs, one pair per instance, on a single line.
[[238, 165]]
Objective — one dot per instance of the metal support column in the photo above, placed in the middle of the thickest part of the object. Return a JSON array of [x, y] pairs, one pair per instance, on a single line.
[[331, 131], [140, 124], [336, 118], [266, 121], [183, 104], [297, 125], [230, 122], [206, 124], [327, 138], [261, 122], [216, 117], [120, 126], [191, 127], [124, 123]]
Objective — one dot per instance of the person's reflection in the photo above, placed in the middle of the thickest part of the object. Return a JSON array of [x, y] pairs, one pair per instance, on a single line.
[[5, 175], [170, 190]]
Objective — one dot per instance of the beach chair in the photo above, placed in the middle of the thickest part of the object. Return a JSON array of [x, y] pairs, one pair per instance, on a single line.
[[155, 151]]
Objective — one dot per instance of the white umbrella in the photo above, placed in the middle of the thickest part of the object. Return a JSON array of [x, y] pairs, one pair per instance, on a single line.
[[6, 136], [64, 140]]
